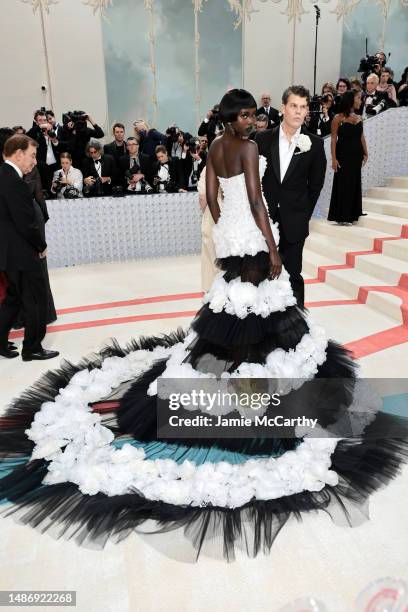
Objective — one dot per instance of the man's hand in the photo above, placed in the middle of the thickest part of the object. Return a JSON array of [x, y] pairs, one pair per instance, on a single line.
[[89, 180], [105, 179], [43, 254], [209, 114], [136, 178]]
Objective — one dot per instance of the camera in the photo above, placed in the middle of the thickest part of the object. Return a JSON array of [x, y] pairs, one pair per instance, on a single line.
[[78, 118], [173, 132], [193, 145], [368, 63], [52, 134], [378, 108], [71, 192], [96, 189], [58, 184]]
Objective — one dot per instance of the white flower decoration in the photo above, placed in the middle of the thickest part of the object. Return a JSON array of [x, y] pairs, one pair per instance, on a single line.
[[304, 144]]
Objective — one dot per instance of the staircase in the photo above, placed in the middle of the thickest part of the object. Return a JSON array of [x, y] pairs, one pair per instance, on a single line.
[[367, 262]]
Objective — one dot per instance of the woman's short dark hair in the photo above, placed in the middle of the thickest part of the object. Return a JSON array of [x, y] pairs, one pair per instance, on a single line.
[[234, 101], [343, 80], [347, 102]]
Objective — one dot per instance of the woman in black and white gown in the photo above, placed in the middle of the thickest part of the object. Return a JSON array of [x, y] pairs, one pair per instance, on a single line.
[[82, 449]]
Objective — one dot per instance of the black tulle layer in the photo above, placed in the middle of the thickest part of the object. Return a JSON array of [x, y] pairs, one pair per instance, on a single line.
[[363, 467], [251, 268], [278, 330]]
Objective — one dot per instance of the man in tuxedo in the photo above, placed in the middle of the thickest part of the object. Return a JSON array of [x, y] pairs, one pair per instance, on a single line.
[[191, 165], [268, 110], [56, 127], [211, 126], [99, 171], [49, 147], [117, 148], [134, 169], [21, 249], [293, 180]]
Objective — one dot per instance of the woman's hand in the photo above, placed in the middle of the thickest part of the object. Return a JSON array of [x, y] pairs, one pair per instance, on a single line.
[[276, 265], [335, 165], [365, 159]]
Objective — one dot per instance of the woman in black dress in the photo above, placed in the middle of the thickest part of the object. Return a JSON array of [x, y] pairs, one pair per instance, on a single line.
[[349, 154]]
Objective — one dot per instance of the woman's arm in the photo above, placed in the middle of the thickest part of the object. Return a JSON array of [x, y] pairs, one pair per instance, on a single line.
[[365, 149], [250, 162], [334, 131], [211, 189], [78, 182]]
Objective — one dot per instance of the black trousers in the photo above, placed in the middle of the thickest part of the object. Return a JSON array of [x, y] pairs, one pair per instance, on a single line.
[[26, 291], [291, 254]]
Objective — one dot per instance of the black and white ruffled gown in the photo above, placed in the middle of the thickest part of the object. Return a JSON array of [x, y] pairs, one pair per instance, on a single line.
[[79, 451]]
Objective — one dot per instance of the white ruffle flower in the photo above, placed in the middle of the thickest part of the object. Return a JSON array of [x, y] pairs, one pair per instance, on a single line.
[[304, 144]]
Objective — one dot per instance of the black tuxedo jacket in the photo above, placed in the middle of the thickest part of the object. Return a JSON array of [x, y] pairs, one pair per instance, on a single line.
[[108, 168], [124, 164], [298, 193], [174, 170], [115, 151], [273, 115], [186, 167], [20, 236]]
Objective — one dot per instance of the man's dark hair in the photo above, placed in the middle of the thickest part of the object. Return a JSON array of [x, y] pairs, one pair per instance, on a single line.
[[234, 101], [39, 112], [133, 139], [160, 149], [50, 112], [16, 143], [296, 90], [119, 125]]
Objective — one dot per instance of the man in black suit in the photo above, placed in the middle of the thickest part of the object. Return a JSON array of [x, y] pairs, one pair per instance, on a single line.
[[117, 148], [293, 180], [134, 169], [268, 110], [99, 171], [212, 125], [21, 249], [76, 135], [191, 164]]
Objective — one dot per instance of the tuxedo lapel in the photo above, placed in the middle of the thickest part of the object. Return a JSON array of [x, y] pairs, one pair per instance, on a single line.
[[275, 153]]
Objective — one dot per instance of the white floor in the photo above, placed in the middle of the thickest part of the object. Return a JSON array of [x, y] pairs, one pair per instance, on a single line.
[[153, 573]]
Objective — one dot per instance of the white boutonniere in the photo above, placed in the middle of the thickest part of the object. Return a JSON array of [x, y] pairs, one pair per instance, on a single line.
[[304, 144]]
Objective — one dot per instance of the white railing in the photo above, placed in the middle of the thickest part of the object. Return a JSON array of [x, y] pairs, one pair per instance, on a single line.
[[387, 141]]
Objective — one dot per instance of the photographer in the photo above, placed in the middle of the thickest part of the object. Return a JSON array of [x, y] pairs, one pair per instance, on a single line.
[[99, 171], [191, 164], [321, 115], [68, 181], [56, 127], [174, 141], [134, 169], [165, 172], [117, 148], [373, 101], [342, 86], [386, 85], [262, 123], [371, 64], [212, 125], [76, 134], [48, 150], [402, 88], [149, 138], [203, 140]]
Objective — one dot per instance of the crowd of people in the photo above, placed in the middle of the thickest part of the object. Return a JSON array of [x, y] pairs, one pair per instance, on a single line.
[[73, 163]]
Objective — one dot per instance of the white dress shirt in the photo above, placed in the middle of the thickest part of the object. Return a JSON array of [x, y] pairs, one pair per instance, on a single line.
[[50, 153], [286, 150], [16, 168]]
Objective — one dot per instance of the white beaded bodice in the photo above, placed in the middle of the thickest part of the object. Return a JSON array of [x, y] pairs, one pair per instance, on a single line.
[[236, 232]]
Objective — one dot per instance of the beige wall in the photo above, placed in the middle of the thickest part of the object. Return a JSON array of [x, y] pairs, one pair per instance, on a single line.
[[76, 66], [270, 39]]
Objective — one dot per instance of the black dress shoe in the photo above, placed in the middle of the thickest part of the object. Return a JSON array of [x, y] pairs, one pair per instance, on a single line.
[[7, 353], [39, 355]]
